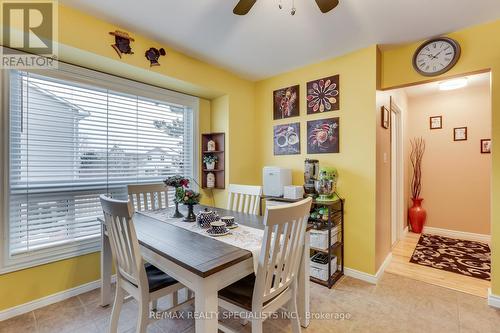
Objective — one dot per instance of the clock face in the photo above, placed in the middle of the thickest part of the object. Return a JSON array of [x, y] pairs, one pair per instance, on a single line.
[[436, 56]]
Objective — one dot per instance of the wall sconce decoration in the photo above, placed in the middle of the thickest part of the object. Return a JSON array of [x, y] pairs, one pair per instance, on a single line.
[[122, 42], [153, 54]]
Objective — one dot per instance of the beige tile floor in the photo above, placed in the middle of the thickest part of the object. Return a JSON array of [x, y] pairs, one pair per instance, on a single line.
[[396, 304]]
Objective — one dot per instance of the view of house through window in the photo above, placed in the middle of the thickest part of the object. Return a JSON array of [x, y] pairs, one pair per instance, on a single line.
[[70, 142]]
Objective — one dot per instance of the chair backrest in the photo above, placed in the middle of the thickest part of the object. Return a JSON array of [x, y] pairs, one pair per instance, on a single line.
[[123, 239], [244, 198], [281, 251], [148, 196]]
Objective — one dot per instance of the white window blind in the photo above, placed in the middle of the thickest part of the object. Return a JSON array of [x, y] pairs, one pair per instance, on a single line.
[[72, 141]]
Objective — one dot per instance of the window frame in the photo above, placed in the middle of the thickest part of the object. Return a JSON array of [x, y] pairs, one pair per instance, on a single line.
[[90, 77]]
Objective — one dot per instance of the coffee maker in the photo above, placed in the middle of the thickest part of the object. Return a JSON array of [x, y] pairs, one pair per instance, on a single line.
[[311, 173]]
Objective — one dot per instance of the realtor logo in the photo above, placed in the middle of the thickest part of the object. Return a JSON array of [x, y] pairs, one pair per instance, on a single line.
[[29, 34]]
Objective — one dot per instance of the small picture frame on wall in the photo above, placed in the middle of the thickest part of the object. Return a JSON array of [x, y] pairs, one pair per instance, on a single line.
[[436, 122], [460, 134], [386, 120], [485, 146]]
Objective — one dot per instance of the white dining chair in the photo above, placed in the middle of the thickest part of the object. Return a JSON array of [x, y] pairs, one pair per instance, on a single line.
[[244, 198], [148, 196], [275, 283], [142, 281]]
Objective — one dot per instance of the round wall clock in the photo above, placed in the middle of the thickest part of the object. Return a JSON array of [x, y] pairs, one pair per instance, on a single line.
[[436, 56]]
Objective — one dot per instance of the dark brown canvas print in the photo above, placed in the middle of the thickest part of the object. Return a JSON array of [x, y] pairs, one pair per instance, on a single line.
[[286, 102], [323, 95], [323, 136]]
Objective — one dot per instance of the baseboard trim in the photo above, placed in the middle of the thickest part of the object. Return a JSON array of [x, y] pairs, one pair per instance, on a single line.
[[370, 278], [382, 267], [493, 300], [50, 299], [458, 234], [351, 272]]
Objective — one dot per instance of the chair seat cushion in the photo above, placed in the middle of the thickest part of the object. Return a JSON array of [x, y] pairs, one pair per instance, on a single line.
[[240, 293], [158, 279]]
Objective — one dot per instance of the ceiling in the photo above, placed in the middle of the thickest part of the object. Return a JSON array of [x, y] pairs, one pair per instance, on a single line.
[[269, 41], [423, 90]]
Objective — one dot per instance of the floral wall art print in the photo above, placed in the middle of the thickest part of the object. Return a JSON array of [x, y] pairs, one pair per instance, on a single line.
[[287, 139], [286, 103], [323, 95], [323, 136]]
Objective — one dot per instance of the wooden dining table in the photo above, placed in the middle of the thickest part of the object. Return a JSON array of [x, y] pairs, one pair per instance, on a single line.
[[203, 264]]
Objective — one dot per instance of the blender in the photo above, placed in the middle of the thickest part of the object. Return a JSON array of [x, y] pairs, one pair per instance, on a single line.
[[311, 172]]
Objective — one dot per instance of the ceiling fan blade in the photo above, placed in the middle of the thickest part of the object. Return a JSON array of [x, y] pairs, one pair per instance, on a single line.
[[326, 5], [243, 7]]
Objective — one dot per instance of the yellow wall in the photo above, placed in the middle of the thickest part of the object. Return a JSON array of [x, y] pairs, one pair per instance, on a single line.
[[480, 51], [85, 41], [356, 160]]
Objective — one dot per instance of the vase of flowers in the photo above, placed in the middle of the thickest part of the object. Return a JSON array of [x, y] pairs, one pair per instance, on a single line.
[[417, 214], [189, 198], [210, 160], [179, 183]]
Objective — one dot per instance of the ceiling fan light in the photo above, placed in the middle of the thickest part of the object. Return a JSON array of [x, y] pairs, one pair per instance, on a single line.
[[453, 84]]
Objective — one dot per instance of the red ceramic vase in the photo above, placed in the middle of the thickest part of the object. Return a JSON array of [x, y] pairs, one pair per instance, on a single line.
[[417, 215]]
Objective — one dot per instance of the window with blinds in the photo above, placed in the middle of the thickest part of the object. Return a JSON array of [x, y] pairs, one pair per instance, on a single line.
[[69, 142]]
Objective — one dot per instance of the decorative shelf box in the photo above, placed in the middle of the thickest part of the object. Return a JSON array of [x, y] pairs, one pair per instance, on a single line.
[[219, 171]]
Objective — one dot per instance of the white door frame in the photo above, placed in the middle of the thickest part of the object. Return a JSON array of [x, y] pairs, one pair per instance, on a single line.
[[397, 174]]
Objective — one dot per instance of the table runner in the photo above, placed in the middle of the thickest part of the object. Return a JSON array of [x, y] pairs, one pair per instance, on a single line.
[[244, 237]]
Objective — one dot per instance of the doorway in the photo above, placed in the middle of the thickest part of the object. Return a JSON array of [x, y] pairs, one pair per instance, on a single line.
[[454, 119], [397, 185]]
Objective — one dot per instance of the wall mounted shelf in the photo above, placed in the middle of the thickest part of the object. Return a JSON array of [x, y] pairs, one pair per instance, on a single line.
[[219, 171]]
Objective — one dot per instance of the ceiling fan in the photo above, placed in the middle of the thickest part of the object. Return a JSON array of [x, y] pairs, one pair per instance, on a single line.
[[244, 6]]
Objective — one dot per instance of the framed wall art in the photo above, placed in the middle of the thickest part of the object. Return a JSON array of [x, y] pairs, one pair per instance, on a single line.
[[485, 146], [323, 136], [436, 122], [286, 139], [286, 102], [460, 134], [385, 117], [323, 95]]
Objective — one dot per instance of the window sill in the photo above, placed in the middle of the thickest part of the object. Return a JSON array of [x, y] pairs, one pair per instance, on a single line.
[[49, 256]]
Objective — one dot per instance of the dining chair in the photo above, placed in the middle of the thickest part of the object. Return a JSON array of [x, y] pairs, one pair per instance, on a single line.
[[244, 198], [148, 196], [140, 280], [275, 283]]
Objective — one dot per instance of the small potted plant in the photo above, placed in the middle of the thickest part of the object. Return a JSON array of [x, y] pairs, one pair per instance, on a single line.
[[189, 198], [210, 160], [179, 183]]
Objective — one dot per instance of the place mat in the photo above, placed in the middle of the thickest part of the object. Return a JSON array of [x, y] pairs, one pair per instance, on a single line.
[[454, 255], [244, 237]]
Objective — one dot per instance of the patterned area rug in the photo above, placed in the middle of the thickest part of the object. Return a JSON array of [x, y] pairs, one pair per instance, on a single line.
[[453, 255]]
